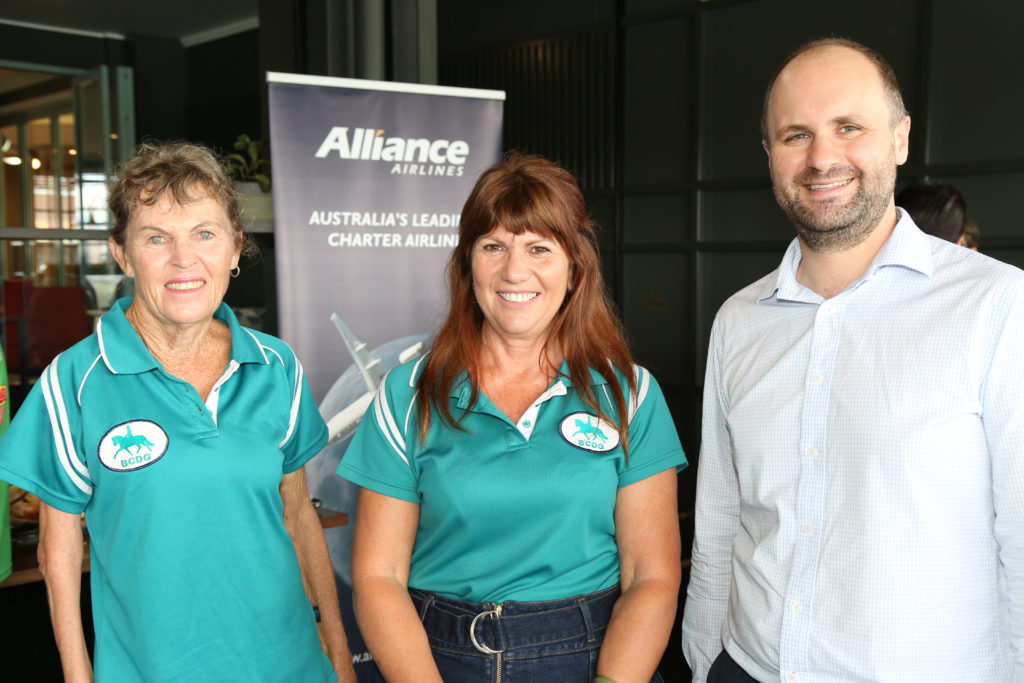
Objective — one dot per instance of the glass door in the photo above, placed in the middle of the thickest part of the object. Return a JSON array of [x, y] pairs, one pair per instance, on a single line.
[[59, 147]]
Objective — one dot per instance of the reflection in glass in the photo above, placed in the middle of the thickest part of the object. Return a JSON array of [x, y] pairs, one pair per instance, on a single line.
[[64, 161], [45, 198], [94, 201], [10, 177]]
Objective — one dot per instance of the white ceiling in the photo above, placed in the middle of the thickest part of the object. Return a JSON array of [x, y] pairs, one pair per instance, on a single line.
[[190, 21]]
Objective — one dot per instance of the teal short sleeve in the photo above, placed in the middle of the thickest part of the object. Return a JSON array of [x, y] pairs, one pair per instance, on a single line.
[[380, 457], [653, 441], [5, 521], [39, 452], [307, 431]]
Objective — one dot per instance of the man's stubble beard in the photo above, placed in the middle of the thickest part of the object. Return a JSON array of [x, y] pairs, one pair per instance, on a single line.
[[836, 228]]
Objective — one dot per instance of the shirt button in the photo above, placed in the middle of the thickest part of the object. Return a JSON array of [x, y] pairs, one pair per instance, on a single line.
[[793, 677], [812, 452], [807, 528], [526, 423], [796, 606], [817, 378]]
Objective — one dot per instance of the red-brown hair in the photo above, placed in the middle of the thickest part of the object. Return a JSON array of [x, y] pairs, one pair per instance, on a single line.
[[529, 193]]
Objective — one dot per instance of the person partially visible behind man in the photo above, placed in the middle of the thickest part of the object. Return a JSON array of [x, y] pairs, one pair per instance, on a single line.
[[972, 235], [937, 208], [940, 209], [860, 514]]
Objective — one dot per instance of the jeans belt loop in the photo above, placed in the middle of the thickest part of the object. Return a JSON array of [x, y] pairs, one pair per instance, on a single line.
[[587, 620], [427, 602], [472, 632]]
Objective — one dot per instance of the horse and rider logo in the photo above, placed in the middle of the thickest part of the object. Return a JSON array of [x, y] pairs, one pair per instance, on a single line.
[[589, 432], [132, 445], [125, 443]]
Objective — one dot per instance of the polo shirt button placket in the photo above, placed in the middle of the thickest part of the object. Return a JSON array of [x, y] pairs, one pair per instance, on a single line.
[[529, 420]]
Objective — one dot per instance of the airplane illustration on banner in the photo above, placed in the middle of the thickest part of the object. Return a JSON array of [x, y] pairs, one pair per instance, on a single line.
[[346, 421]]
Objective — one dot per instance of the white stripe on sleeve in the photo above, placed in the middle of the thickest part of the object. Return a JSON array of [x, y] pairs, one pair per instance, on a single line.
[[61, 430], [386, 422], [296, 400], [85, 377], [262, 348], [643, 382], [408, 413], [103, 348], [415, 369]]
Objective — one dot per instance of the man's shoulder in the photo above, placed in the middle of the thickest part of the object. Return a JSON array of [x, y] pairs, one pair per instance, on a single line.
[[974, 270], [742, 303]]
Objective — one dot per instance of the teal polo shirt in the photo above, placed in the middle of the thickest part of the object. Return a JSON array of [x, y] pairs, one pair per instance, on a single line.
[[193, 575], [5, 507], [512, 511]]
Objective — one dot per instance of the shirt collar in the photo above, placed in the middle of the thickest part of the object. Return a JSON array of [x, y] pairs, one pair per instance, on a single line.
[[462, 388], [124, 352], [907, 247], [596, 378]]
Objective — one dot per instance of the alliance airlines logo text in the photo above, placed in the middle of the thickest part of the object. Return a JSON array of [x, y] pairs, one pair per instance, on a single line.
[[409, 156]]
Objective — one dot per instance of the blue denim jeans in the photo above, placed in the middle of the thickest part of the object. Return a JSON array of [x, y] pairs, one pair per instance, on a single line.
[[556, 640]]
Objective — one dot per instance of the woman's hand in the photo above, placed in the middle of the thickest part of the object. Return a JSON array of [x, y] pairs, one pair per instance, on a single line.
[[647, 534], [303, 525], [61, 546]]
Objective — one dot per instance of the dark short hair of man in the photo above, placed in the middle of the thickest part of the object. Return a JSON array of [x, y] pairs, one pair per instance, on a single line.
[[897, 109]]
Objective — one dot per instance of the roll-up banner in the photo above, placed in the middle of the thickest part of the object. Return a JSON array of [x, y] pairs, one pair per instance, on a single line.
[[369, 180]]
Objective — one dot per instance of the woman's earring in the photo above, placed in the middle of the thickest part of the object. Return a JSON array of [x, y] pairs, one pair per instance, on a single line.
[[236, 271]]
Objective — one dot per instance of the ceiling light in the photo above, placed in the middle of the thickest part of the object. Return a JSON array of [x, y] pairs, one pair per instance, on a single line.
[[12, 161], [36, 163]]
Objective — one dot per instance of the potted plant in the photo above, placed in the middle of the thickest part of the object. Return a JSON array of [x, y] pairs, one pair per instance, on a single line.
[[251, 171]]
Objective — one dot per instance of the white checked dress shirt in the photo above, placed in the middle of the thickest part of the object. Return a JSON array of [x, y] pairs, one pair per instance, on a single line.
[[860, 500]]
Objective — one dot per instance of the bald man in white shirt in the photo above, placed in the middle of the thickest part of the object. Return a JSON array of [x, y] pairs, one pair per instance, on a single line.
[[860, 495]]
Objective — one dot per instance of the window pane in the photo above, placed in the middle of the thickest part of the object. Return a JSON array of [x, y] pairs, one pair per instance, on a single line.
[[45, 200], [10, 178], [102, 278], [64, 160], [15, 259], [94, 201]]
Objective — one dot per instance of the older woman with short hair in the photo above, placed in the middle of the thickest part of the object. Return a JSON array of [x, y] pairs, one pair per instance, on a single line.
[[517, 519], [182, 437]]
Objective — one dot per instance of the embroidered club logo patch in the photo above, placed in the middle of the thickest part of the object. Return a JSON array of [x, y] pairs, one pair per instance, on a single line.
[[132, 445], [588, 432]]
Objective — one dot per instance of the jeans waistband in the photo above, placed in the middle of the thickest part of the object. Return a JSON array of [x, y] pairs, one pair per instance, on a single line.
[[490, 628]]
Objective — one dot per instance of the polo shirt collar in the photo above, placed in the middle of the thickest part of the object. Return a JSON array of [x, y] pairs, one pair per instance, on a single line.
[[907, 247], [124, 352], [596, 378], [462, 388]]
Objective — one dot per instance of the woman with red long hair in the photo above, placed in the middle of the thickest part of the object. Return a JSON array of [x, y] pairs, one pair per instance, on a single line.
[[517, 519]]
